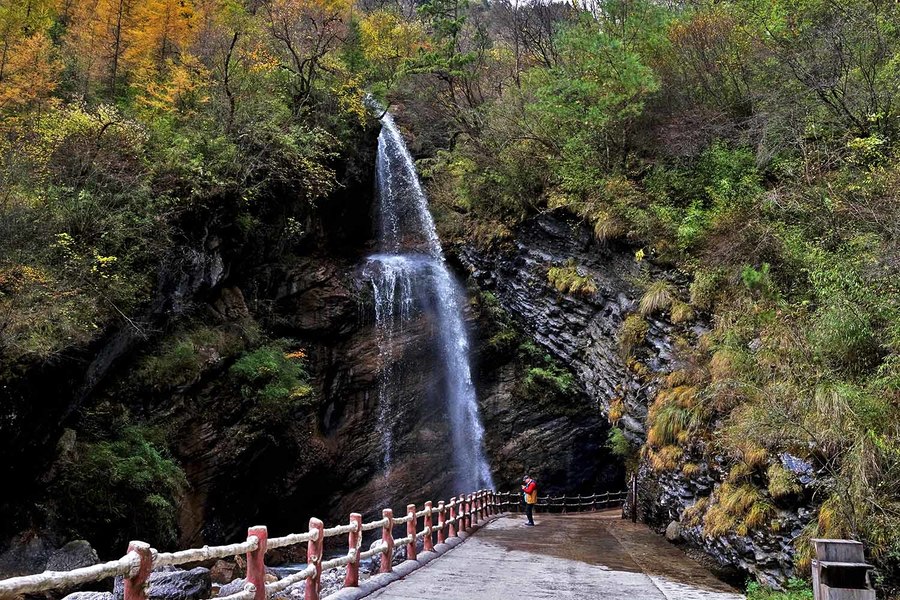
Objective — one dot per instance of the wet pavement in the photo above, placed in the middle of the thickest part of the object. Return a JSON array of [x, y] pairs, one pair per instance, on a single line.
[[584, 556]]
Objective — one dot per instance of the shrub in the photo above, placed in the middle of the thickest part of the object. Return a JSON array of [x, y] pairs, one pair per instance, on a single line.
[[658, 297], [633, 332], [782, 483], [568, 280], [275, 379], [122, 489], [706, 288], [183, 357], [796, 589], [617, 443]]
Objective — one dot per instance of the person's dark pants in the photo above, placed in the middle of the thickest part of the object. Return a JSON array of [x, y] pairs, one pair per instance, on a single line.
[[529, 512]]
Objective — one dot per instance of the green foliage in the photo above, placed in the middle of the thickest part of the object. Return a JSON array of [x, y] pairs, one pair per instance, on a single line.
[[633, 333], [275, 379], [544, 375], [782, 483], [126, 488], [183, 357], [658, 296], [618, 444], [796, 589], [568, 280]]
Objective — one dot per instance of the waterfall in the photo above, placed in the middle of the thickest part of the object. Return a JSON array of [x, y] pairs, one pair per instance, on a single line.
[[408, 275]]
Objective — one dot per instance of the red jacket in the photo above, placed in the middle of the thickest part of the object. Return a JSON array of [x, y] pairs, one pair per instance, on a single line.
[[529, 487]]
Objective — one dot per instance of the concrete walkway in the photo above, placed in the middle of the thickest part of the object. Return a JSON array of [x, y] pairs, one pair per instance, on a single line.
[[584, 556]]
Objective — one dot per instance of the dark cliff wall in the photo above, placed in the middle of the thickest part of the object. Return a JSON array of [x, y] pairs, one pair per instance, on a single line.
[[583, 331]]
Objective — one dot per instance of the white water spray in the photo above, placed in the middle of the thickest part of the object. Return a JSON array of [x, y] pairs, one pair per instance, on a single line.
[[410, 267]]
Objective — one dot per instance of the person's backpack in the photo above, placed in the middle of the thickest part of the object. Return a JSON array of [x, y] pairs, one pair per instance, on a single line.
[[531, 498]]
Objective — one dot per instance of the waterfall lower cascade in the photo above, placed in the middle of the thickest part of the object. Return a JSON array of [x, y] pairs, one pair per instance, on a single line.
[[408, 275]]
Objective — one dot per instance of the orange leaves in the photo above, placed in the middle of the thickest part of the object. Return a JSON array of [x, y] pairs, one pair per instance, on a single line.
[[161, 32], [30, 73]]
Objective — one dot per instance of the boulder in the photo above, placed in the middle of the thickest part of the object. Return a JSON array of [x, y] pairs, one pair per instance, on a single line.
[[232, 587], [174, 584], [223, 571], [673, 531], [74, 555], [90, 596], [27, 554]]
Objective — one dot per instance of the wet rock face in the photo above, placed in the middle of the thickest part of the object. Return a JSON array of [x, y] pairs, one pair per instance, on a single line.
[[581, 331], [766, 554]]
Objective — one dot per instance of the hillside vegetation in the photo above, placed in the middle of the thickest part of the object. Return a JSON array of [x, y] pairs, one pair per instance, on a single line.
[[752, 146]]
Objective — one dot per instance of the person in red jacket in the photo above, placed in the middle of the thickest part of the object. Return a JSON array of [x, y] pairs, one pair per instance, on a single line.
[[529, 489]]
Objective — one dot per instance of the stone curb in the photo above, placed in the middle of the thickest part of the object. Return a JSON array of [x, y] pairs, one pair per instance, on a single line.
[[382, 580]]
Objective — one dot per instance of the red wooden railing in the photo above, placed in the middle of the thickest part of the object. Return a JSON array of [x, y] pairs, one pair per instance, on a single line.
[[135, 567], [458, 515]]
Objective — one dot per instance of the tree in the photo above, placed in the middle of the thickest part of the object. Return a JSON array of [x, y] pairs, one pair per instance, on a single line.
[[99, 35], [303, 32], [388, 42]]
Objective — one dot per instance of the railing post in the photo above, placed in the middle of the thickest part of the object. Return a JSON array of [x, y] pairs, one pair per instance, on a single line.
[[314, 557], [387, 538], [634, 497], [467, 513], [442, 520], [427, 542], [411, 531], [476, 503], [136, 587], [451, 530], [256, 561], [354, 543]]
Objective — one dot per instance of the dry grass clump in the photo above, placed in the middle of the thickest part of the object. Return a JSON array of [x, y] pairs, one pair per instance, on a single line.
[[568, 280], [782, 483], [737, 508], [681, 312], [693, 514], [690, 469], [607, 227], [616, 410], [658, 297], [666, 458], [632, 333]]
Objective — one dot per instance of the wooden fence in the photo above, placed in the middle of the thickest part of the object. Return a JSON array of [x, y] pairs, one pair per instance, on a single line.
[[444, 521]]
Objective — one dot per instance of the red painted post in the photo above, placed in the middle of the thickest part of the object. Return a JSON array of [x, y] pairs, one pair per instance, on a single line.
[[475, 508], [314, 557], [387, 538], [354, 543], [451, 530], [411, 531], [256, 561], [467, 508], [442, 522], [136, 587], [428, 542], [490, 503]]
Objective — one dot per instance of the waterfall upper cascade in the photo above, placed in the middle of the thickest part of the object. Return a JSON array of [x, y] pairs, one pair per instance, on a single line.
[[409, 275]]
